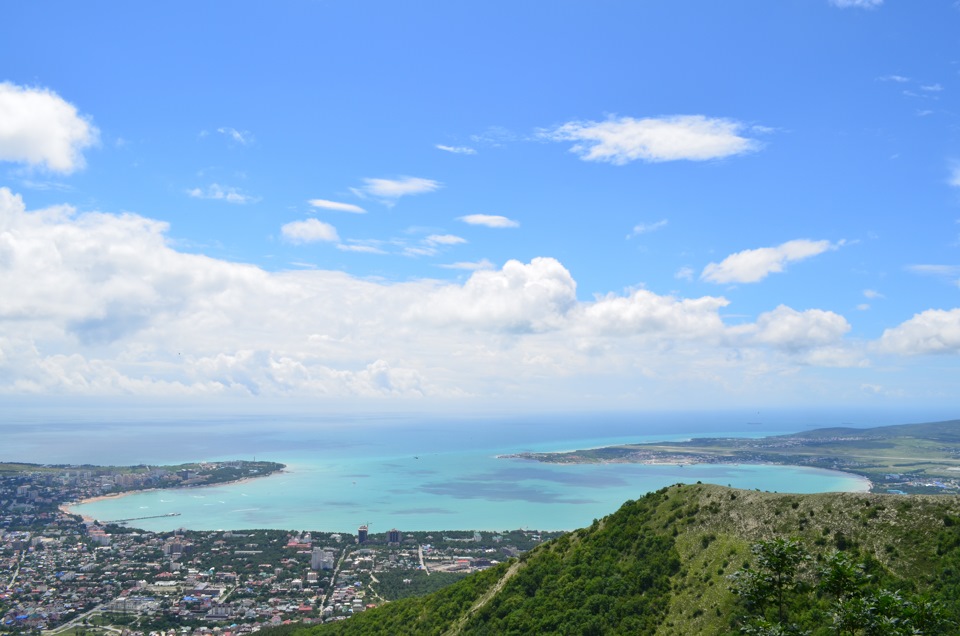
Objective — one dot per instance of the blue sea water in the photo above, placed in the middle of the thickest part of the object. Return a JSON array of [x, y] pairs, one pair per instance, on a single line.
[[401, 471]]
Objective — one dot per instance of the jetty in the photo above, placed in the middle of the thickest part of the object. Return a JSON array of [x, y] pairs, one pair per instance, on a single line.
[[169, 514]]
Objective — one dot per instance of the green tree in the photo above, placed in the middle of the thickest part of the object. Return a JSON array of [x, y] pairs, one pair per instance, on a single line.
[[775, 577]]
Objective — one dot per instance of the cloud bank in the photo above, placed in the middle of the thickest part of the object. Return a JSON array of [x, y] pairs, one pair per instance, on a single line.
[[112, 309]]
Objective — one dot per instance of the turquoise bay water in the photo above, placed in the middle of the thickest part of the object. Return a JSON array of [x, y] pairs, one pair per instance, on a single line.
[[399, 472]]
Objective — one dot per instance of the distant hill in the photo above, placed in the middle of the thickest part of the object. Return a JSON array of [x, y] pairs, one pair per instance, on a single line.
[[904, 458], [662, 565], [947, 431]]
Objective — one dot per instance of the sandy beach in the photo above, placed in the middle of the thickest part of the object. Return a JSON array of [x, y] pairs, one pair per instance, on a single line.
[[66, 508]]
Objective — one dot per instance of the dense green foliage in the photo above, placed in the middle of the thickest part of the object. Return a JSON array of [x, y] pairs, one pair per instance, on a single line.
[[783, 593], [710, 560], [391, 584]]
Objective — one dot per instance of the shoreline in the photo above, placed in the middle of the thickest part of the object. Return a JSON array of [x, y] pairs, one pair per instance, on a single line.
[[67, 507], [866, 483]]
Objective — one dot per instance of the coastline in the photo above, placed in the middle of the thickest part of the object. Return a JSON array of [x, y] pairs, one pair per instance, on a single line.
[[67, 507], [866, 483]]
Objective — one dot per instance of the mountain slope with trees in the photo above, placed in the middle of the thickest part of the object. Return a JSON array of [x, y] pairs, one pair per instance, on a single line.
[[702, 559]]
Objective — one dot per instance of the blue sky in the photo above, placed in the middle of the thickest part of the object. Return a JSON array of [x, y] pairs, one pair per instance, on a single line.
[[601, 205]]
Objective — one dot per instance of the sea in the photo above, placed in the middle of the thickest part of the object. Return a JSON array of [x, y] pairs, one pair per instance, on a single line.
[[409, 472]]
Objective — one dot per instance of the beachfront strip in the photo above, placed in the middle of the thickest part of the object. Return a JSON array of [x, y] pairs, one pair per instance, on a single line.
[[70, 575]]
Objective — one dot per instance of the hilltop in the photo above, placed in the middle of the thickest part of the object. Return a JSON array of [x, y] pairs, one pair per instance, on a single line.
[[662, 565]]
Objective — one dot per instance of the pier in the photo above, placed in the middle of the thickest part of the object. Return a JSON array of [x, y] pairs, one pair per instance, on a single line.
[[169, 514]]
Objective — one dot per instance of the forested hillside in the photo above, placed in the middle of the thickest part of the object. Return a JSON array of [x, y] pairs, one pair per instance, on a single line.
[[705, 559]]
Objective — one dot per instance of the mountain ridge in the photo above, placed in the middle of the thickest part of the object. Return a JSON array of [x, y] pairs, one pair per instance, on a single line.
[[662, 564]]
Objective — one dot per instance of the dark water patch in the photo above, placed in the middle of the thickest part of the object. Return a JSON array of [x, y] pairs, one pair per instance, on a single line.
[[525, 473], [462, 489], [423, 511]]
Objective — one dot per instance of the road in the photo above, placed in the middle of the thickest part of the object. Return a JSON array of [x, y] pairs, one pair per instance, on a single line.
[[15, 572], [423, 565], [333, 578]]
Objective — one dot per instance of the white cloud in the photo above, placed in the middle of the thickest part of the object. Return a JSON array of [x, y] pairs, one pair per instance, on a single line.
[[684, 273], [309, 231], [900, 79], [517, 298], [625, 139], [336, 206], [494, 136], [644, 312], [457, 150], [40, 128], [954, 179], [243, 138], [646, 228], [444, 239], [751, 266], [413, 250], [950, 272], [930, 332], [872, 294], [489, 220], [362, 248], [469, 266], [104, 304], [395, 188], [856, 4], [863, 307], [217, 192], [935, 270], [931, 88], [788, 328]]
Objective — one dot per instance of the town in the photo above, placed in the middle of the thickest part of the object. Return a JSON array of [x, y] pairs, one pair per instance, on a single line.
[[80, 577]]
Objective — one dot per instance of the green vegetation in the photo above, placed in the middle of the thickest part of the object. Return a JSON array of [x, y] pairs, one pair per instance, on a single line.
[[784, 594], [394, 585], [705, 559]]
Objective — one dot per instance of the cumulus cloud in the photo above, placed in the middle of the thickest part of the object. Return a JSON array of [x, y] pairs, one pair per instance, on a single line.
[[489, 220], [518, 298], [336, 206], [788, 328], [856, 4], [309, 231], [644, 312], [392, 189], [40, 128], [622, 140], [751, 266], [113, 308], [935, 331], [457, 150], [217, 192]]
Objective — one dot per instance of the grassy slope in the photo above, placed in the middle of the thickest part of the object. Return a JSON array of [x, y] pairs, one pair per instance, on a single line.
[[660, 564]]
